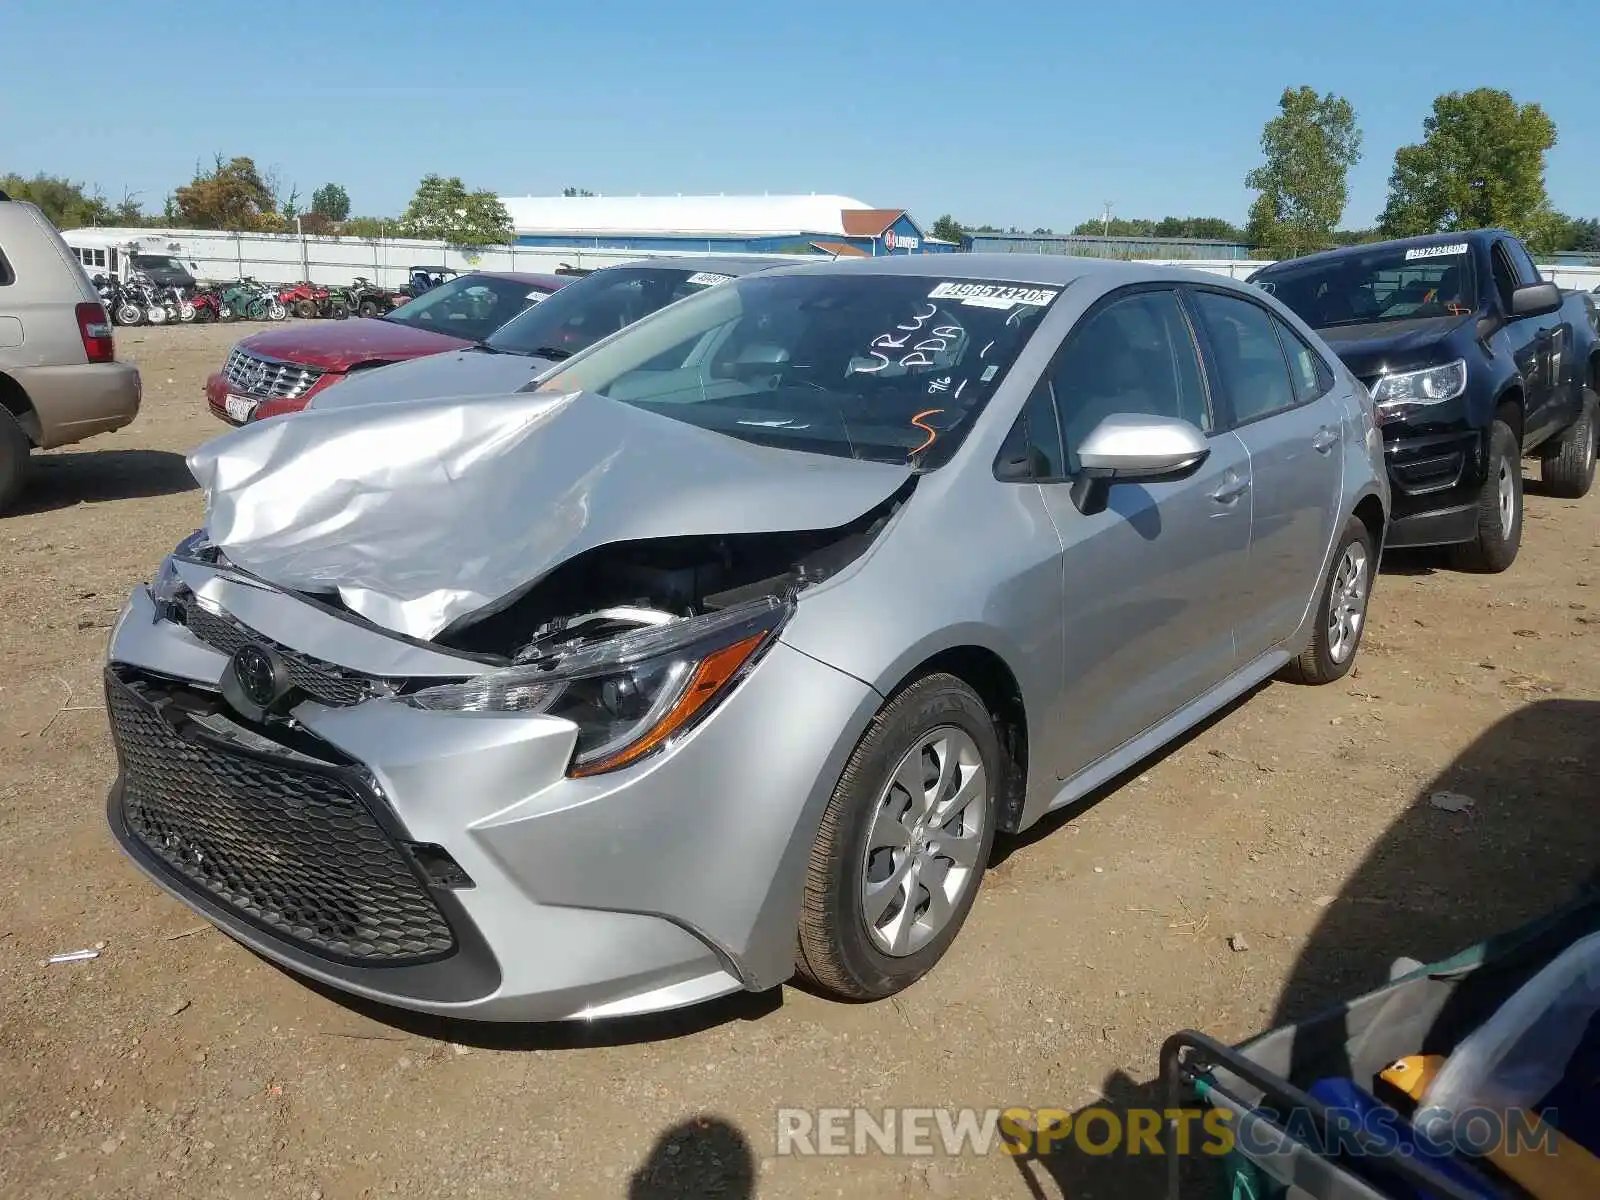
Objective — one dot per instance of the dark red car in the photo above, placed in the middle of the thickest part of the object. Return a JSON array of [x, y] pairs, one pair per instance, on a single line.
[[280, 369]]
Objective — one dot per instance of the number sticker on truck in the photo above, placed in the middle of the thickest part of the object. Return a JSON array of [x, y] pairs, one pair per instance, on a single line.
[[1437, 251], [708, 278]]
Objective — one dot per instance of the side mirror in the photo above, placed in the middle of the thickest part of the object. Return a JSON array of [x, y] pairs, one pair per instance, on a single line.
[[1126, 448], [1535, 300]]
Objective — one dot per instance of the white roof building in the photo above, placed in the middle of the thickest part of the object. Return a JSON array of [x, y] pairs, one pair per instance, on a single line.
[[754, 216]]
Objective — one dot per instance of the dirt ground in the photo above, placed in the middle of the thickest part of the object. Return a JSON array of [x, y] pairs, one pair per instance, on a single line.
[[1277, 860]]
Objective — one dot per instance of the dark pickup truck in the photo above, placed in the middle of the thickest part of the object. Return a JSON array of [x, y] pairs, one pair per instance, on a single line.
[[1473, 361]]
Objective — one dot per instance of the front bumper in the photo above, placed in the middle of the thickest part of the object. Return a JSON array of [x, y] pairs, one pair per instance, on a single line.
[[217, 391], [1434, 478], [665, 884]]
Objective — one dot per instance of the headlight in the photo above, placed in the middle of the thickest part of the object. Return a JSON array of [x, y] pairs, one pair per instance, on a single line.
[[166, 587], [629, 695], [1434, 385]]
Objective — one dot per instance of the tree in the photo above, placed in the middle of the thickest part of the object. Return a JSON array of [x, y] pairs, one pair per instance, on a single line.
[[331, 201], [316, 224], [66, 204], [571, 192], [1480, 164], [232, 195], [369, 227], [1308, 149], [444, 209], [946, 229]]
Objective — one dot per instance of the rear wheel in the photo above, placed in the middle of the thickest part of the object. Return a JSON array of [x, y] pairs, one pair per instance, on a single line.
[[1499, 536], [903, 843], [1341, 609], [225, 312], [156, 315], [305, 309], [369, 308], [14, 449], [1569, 467]]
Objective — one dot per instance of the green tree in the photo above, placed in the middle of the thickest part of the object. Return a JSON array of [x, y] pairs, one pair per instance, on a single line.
[[1480, 164], [331, 201], [369, 227], [1308, 148], [232, 195], [444, 209], [571, 192], [946, 229], [66, 204]]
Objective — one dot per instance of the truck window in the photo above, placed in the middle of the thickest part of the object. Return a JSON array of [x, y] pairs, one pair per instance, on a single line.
[[1390, 283], [1505, 275], [1527, 272]]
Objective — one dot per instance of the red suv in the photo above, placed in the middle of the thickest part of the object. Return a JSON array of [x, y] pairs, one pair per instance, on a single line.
[[279, 370]]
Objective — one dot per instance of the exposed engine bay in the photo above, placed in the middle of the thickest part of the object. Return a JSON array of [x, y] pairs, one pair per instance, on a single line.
[[626, 586]]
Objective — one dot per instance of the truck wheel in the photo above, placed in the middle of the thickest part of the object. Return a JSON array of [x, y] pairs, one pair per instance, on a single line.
[[13, 459], [1499, 535], [1341, 609], [1569, 468]]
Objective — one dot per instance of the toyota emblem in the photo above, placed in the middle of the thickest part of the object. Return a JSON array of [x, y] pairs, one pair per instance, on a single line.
[[257, 682]]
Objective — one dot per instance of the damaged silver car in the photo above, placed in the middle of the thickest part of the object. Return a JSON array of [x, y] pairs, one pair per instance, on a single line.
[[727, 650]]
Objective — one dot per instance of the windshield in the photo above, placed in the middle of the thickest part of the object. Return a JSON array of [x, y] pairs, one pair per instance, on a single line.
[[157, 264], [470, 306], [588, 309], [887, 367], [1392, 284]]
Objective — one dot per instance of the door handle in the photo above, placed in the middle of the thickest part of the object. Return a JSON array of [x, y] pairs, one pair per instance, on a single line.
[[1325, 440], [1233, 486]]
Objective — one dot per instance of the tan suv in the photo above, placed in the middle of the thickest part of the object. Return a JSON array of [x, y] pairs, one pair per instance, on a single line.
[[59, 378]]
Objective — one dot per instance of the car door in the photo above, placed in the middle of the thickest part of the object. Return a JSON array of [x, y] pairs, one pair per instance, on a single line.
[[1526, 339], [1147, 583], [1279, 393], [1559, 403]]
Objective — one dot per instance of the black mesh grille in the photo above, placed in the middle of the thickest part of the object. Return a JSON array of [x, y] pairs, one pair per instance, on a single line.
[[289, 847], [320, 681]]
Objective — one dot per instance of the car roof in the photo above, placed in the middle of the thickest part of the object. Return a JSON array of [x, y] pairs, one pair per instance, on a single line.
[[1054, 270], [532, 279], [1470, 236], [721, 264]]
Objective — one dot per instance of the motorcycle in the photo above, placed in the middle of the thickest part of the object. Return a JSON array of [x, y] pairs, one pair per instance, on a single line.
[[257, 302], [304, 300], [179, 305], [140, 303], [207, 306]]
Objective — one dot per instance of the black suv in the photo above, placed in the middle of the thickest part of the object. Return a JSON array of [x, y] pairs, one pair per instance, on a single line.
[[1473, 360]]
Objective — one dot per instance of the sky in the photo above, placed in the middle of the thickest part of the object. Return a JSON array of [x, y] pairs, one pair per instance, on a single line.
[[1032, 114]]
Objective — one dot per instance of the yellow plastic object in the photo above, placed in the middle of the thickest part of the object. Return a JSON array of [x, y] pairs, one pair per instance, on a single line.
[[1570, 1173]]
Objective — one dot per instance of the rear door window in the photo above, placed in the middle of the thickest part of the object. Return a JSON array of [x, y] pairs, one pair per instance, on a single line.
[[1307, 370], [1246, 350]]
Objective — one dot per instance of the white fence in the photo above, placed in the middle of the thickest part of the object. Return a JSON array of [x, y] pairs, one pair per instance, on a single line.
[[282, 257]]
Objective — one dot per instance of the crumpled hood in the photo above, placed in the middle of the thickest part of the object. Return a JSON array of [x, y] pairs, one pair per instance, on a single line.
[[462, 373], [422, 513]]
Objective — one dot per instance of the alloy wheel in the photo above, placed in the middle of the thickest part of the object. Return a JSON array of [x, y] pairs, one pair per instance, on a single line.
[[1508, 499], [923, 845], [1347, 606]]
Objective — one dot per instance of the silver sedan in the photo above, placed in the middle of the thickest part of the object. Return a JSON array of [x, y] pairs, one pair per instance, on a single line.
[[727, 650]]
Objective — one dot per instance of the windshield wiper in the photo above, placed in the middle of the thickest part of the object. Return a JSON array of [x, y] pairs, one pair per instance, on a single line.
[[553, 353], [482, 344]]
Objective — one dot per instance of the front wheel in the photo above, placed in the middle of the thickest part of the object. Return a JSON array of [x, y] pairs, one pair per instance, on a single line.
[[1568, 467], [369, 308], [305, 309], [129, 314], [277, 312], [1499, 536], [903, 843], [187, 312], [1341, 609], [225, 312]]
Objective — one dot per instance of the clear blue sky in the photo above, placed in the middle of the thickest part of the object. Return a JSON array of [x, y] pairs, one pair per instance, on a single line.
[[1032, 114]]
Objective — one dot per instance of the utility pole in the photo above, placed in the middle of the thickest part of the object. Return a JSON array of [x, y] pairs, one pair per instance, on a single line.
[[1105, 221]]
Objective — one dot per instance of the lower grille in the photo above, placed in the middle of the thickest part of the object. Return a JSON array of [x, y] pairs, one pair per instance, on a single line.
[[324, 682], [288, 846]]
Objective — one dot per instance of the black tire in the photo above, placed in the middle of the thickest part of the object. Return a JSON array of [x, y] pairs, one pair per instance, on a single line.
[[305, 309], [835, 950], [369, 308], [1326, 659], [1495, 546], [1569, 466], [14, 448]]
